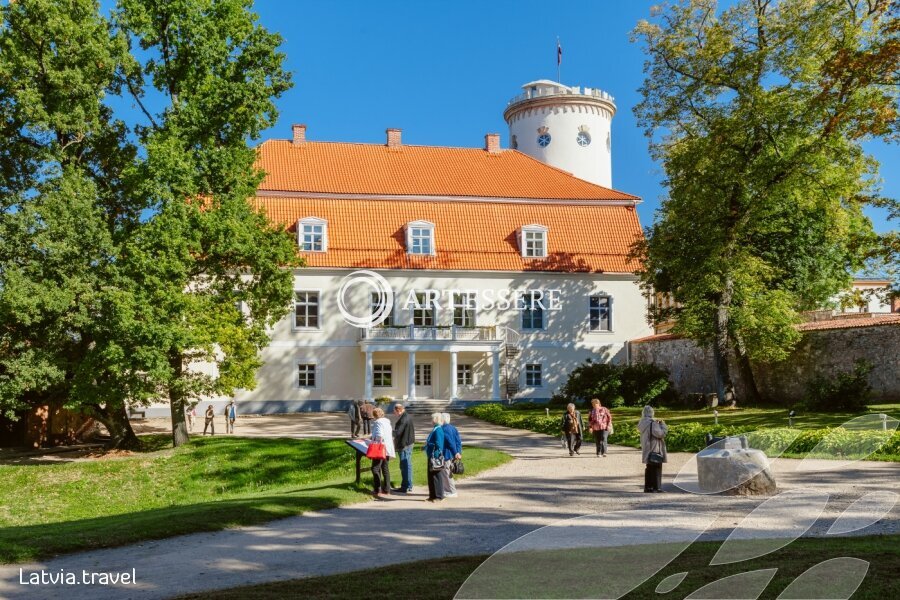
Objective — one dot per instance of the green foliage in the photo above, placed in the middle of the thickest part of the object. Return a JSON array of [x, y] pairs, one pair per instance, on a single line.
[[126, 247], [758, 113], [615, 385], [849, 390]]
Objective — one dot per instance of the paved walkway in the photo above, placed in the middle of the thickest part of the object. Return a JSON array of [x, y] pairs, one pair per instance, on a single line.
[[542, 486]]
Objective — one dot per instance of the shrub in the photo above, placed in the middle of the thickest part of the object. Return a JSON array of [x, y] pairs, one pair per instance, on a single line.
[[616, 385], [383, 400], [643, 384], [845, 391]]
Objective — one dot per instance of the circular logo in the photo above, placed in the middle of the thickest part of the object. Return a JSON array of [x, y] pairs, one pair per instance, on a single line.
[[383, 302]]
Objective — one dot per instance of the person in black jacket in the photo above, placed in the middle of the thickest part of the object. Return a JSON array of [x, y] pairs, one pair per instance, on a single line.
[[404, 438], [573, 428]]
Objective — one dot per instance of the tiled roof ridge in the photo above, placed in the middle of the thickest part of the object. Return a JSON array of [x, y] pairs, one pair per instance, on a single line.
[[473, 150]]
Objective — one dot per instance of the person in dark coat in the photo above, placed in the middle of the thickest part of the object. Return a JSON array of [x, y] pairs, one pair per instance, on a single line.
[[573, 428], [434, 447], [404, 438], [355, 418]]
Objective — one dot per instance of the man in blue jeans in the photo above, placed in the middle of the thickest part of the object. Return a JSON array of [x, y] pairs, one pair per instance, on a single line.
[[404, 438]]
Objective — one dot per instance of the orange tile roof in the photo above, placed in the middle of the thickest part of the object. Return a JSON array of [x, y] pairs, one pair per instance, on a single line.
[[870, 320], [375, 169], [469, 235]]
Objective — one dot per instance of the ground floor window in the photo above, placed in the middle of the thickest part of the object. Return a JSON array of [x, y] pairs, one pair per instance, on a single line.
[[464, 374], [599, 313], [306, 375], [382, 375], [533, 375]]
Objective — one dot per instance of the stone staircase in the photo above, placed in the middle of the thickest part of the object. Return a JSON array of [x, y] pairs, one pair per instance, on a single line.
[[430, 405]]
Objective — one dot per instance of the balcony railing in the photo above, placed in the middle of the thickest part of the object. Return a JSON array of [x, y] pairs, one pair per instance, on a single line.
[[547, 92], [446, 333]]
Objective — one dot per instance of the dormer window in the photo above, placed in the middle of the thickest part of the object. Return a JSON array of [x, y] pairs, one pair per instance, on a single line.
[[420, 238], [312, 234], [533, 241]]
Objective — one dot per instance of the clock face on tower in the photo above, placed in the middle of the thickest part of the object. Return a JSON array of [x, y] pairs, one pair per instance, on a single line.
[[583, 138], [543, 140]]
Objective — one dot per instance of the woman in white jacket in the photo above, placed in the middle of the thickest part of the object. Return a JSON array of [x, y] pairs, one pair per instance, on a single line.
[[383, 432]]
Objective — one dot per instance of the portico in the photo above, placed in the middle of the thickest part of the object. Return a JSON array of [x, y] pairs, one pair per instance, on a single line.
[[433, 357]]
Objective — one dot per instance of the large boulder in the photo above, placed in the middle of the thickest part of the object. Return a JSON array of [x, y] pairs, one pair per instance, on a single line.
[[728, 467]]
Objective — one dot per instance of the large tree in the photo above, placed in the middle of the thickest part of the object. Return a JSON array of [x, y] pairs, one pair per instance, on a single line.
[[757, 113], [131, 254]]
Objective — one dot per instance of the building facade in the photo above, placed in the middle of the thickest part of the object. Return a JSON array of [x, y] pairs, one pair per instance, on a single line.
[[504, 274]]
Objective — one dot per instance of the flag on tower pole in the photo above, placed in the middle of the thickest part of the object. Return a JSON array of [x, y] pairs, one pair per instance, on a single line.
[[558, 59]]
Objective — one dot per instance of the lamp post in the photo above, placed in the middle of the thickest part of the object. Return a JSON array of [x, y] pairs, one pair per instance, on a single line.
[[884, 419], [548, 411], [791, 418], [716, 416]]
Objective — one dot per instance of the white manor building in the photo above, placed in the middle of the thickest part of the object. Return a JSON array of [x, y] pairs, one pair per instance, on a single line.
[[467, 225]]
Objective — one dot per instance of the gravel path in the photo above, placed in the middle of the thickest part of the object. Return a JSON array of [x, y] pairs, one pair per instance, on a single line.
[[542, 486]]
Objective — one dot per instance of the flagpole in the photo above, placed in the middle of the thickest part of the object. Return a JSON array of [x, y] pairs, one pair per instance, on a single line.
[[558, 61]]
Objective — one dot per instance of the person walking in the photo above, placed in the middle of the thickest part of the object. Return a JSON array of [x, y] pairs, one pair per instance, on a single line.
[[599, 421], [191, 417], [404, 438], [434, 449], [210, 422], [653, 449], [381, 473], [573, 428], [452, 452], [355, 418], [366, 411], [230, 417]]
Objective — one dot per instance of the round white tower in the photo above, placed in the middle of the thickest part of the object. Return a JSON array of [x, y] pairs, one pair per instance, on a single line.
[[566, 127]]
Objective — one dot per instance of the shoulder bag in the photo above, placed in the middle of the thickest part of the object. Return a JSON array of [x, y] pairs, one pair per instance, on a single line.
[[376, 451]]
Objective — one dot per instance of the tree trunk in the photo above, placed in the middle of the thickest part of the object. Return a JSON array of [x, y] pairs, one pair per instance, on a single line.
[[115, 419], [176, 401], [746, 368], [724, 384]]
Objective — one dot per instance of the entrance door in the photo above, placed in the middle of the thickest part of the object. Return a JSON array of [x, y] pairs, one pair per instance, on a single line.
[[424, 388]]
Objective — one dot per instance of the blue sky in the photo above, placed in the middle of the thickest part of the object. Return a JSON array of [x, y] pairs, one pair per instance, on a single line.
[[444, 72]]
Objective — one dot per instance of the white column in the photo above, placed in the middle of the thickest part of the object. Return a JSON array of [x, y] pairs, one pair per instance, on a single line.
[[411, 377], [495, 364], [369, 375], [453, 375]]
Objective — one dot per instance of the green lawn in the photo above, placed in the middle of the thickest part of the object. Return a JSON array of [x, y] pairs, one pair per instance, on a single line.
[[441, 579], [210, 484]]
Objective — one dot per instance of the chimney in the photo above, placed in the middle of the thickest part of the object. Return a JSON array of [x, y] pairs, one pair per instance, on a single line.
[[492, 142], [299, 134], [393, 137]]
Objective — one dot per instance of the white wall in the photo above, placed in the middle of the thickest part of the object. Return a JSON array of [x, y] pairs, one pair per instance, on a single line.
[[564, 343]]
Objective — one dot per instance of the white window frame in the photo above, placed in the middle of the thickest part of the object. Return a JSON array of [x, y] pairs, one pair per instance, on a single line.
[[522, 298], [534, 229], [467, 305], [392, 370], [420, 226], [423, 301], [301, 235], [318, 326], [609, 312], [317, 375], [540, 374], [461, 367], [389, 321]]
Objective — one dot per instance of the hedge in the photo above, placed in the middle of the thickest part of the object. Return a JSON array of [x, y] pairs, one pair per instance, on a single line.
[[691, 437]]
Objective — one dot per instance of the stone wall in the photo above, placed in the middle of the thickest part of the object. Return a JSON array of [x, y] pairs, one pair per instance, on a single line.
[[824, 352]]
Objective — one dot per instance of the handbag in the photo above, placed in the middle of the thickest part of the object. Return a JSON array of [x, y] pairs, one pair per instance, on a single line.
[[611, 430], [457, 467], [376, 451], [436, 463], [654, 458]]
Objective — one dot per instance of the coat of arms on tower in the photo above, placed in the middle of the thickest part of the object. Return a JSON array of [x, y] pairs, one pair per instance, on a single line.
[[543, 129], [583, 129]]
